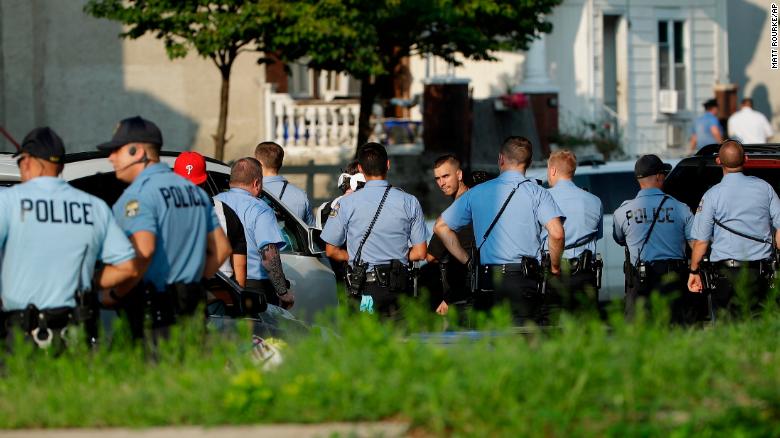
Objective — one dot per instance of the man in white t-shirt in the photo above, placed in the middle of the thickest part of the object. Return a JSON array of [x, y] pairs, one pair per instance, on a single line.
[[748, 125]]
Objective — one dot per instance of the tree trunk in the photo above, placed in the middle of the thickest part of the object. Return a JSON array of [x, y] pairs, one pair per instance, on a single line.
[[367, 94], [224, 98]]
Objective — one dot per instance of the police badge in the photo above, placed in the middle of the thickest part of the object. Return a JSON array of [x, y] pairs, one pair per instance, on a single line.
[[131, 208]]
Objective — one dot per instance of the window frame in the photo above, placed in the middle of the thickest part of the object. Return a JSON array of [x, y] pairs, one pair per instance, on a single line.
[[670, 16]]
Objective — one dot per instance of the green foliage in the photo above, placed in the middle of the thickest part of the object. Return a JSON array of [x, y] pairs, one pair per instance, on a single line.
[[215, 29], [584, 379], [369, 37]]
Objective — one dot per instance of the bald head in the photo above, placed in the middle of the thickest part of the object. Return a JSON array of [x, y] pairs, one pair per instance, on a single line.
[[732, 155], [245, 171]]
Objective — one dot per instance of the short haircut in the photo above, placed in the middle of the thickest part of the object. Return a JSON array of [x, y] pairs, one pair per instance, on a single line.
[[565, 161], [518, 150], [152, 151], [352, 167], [447, 158], [747, 101], [710, 104], [245, 171], [270, 154], [373, 159]]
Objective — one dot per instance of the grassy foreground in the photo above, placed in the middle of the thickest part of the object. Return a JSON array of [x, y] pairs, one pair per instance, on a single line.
[[582, 380]]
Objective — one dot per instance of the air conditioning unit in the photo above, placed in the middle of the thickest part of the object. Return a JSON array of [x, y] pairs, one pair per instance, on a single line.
[[668, 101]]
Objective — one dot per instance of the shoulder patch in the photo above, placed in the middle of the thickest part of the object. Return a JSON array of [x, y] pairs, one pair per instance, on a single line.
[[701, 205], [334, 211], [131, 208]]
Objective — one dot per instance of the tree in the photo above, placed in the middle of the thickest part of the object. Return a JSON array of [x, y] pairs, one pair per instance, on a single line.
[[217, 29], [369, 38]]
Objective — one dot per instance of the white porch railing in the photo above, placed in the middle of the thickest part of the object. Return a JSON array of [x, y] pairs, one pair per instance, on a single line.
[[311, 124]]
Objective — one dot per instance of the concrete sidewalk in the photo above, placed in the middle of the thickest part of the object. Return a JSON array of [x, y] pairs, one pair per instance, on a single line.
[[384, 429]]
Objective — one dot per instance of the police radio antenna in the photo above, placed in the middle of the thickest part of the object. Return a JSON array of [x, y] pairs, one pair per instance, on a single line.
[[10, 138]]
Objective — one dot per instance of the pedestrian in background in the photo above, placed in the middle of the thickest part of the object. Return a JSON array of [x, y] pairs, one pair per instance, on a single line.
[[749, 126], [706, 128]]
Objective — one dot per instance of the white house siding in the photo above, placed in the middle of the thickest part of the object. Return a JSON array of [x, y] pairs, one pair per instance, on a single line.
[[575, 63], [749, 57]]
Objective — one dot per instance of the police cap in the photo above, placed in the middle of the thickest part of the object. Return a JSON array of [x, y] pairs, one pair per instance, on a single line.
[[648, 165], [43, 143], [133, 130]]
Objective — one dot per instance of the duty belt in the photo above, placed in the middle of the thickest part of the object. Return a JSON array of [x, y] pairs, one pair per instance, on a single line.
[[527, 265], [39, 323], [733, 264]]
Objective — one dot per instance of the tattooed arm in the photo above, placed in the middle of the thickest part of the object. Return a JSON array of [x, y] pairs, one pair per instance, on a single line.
[[273, 265]]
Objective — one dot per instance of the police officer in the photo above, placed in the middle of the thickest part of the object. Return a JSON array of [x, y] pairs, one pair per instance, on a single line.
[[577, 286], [736, 216], [654, 227], [264, 265], [454, 275], [271, 156], [379, 223], [508, 214], [172, 225], [53, 234]]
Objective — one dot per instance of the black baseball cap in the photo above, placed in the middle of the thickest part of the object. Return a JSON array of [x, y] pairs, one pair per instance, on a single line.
[[43, 143], [648, 165], [133, 130]]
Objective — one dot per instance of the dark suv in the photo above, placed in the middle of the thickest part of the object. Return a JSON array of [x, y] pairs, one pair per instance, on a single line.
[[693, 176]]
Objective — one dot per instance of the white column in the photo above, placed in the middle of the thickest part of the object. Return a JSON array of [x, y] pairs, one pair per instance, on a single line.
[[535, 78]]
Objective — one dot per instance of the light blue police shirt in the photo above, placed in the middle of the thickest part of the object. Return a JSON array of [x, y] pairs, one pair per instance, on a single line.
[[584, 217], [180, 216], [744, 203], [293, 197], [701, 127], [518, 232], [401, 224], [671, 232], [260, 228], [52, 234]]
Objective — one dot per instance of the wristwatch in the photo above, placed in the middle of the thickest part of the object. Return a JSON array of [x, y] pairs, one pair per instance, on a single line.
[[281, 295], [693, 271]]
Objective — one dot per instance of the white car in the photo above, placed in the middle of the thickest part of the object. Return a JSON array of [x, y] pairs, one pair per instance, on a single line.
[[613, 182], [303, 259]]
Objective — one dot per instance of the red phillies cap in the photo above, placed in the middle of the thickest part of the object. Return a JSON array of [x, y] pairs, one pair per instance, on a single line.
[[191, 165]]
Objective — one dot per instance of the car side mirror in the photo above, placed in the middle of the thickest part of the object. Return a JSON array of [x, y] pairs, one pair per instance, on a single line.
[[316, 244]]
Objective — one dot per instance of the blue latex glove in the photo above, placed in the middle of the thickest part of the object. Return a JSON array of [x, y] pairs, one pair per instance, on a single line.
[[367, 304]]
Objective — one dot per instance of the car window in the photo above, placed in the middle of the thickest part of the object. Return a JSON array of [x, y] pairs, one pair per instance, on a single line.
[[103, 185], [612, 188], [295, 242]]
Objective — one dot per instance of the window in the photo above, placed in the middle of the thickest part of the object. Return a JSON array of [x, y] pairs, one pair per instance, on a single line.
[[672, 70], [611, 188]]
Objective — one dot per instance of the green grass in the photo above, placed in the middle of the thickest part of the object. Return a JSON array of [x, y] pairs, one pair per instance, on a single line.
[[643, 379]]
